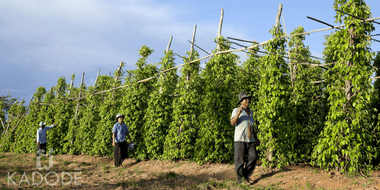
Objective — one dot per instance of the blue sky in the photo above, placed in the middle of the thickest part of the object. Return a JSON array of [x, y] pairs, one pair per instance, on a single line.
[[42, 40]]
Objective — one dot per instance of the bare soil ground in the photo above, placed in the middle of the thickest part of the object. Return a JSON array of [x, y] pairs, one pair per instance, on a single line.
[[99, 173]]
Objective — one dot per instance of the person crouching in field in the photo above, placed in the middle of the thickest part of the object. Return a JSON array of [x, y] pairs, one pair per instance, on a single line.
[[41, 138], [119, 132], [245, 139]]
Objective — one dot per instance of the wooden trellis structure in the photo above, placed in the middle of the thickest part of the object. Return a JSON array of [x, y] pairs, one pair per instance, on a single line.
[[244, 48]]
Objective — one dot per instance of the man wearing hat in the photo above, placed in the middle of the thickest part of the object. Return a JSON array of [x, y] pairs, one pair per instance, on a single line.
[[245, 139], [119, 132], [41, 138]]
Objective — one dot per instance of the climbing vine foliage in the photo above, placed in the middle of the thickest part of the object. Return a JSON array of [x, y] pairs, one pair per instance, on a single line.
[[327, 116]]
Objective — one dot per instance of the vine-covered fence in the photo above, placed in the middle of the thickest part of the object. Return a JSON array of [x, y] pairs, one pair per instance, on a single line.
[[305, 111]]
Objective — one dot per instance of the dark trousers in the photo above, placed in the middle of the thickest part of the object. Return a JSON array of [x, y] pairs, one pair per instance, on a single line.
[[120, 152], [41, 149], [243, 149]]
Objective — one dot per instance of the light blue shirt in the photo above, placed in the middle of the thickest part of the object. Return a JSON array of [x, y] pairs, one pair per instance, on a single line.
[[241, 127], [121, 131], [41, 134]]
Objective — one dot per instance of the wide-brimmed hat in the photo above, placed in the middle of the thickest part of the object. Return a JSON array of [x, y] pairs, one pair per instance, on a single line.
[[119, 115], [42, 124], [243, 95]]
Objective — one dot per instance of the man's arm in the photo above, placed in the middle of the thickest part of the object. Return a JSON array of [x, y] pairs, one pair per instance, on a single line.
[[38, 138], [51, 126], [113, 139], [236, 118]]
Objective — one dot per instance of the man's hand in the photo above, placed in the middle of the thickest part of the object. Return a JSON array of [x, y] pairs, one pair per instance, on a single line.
[[236, 118], [55, 125], [38, 143], [239, 111], [257, 142], [113, 144]]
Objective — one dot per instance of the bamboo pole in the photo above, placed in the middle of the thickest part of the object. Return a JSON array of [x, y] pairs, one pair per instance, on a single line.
[[97, 77], [170, 43], [278, 16], [117, 77], [192, 42], [191, 51], [118, 71], [167, 50], [2, 124], [270, 154], [220, 29], [71, 84], [199, 48], [316, 65], [290, 60]]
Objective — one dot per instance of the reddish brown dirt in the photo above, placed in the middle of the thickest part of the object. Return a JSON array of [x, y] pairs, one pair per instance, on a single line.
[[100, 173]]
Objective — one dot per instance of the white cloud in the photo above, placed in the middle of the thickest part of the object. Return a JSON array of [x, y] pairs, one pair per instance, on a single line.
[[148, 12]]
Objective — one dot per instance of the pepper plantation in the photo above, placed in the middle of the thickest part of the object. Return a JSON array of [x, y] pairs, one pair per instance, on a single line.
[[319, 111]]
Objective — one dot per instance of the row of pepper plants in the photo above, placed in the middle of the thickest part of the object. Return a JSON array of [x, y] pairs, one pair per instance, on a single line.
[[332, 124]]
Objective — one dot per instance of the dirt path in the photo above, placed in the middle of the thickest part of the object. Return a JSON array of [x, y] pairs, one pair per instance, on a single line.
[[87, 172]]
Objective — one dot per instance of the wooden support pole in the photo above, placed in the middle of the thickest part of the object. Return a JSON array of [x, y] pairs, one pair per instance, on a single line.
[[117, 77], [191, 51], [192, 43], [270, 154], [2, 123], [118, 71], [82, 81], [278, 16], [292, 73], [170, 43], [71, 83], [167, 50], [220, 29], [97, 77]]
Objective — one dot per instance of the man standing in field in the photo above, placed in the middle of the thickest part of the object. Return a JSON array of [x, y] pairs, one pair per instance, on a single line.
[[119, 132], [41, 138], [245, 139]]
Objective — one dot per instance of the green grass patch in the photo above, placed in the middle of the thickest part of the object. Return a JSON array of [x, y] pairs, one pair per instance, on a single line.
[[171, 175], [85, 164]]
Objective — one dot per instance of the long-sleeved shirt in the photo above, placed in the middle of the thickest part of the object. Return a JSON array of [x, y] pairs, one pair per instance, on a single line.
[[121, 131], [41, 134]]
